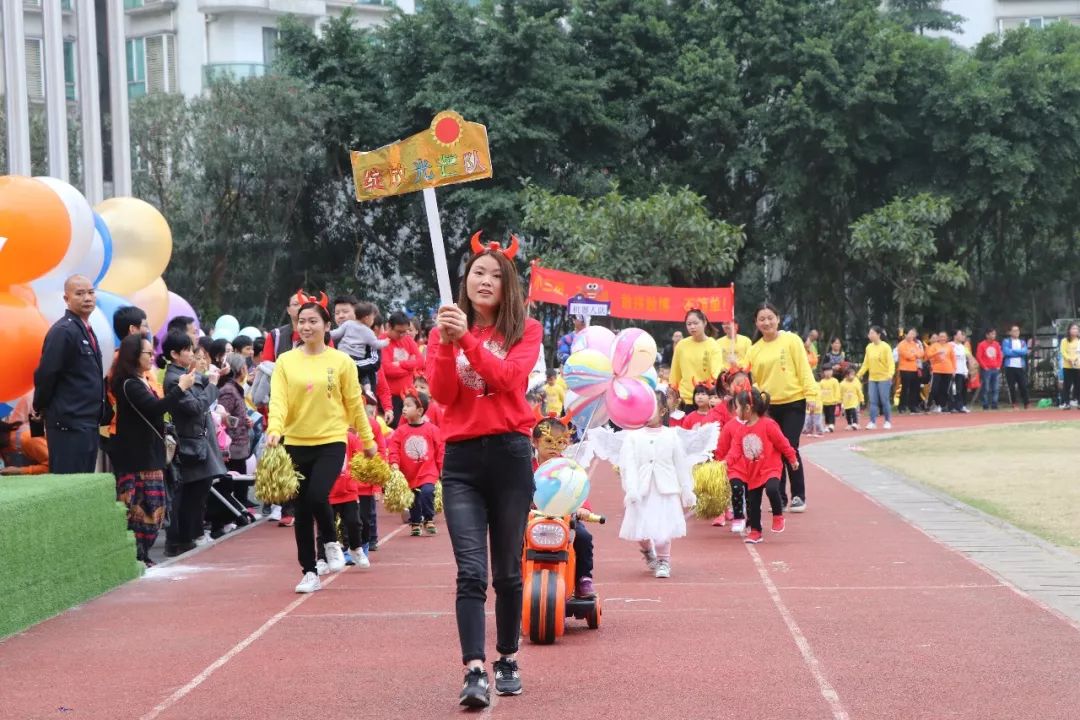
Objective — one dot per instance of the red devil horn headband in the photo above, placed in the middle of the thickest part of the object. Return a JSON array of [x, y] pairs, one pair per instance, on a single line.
[[510, 252], [304, 299]]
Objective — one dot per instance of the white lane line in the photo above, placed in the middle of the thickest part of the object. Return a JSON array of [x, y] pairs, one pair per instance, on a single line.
[[826, 688], [240, 646]]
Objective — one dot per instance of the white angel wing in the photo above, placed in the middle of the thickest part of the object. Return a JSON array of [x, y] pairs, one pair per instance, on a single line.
[[699, 444], [601, 442]]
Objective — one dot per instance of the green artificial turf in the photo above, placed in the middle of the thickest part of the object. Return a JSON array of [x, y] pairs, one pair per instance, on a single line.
[[63, 541]]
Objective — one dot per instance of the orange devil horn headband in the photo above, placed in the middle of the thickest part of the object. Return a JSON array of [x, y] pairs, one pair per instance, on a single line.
[[304, 299], [510, 252]]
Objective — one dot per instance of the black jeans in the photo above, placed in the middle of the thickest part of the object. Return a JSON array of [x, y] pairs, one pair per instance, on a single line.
[[959, 394], [366, 513], [192, 510], [351, 527], [320, 466], [583, 551], [909, 390], [487, 491], [1071, 385], [397, 404], [71, 450], [738, 499], [940, 386], [753, 502], [423, 507], [791, 417], [830, 415], [1017, 381]]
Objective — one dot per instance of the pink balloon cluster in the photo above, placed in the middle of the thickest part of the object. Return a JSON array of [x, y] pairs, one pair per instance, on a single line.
[[611, 377]]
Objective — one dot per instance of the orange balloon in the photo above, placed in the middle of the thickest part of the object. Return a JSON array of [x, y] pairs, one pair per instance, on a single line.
[[22, 331], [35, 230], [154, 300], [24, 292]]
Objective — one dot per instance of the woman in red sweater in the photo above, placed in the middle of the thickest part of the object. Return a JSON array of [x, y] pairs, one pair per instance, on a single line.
[[479, 358]]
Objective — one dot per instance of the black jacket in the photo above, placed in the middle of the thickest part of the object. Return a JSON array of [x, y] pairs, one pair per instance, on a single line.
[[192, 421], [69, 389], [137, 446]]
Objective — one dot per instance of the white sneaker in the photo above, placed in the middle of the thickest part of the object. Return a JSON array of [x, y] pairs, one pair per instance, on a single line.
[[937, 410], [738, 526], [322, 568], [650, 559], [229, 528], [309, 584], [887, 425], [335, 557], [1074, 405], [663, 569], [964, 410], [361, 559], [871, 426], [203, 539], [275, 513]]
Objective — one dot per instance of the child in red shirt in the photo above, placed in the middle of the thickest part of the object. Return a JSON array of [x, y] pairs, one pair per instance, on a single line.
[[759, 454], [703, 408], [434, 410], [353, 501], [416, 448]]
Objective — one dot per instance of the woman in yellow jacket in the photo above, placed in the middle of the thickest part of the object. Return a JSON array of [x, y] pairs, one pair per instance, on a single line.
[[779, 366], [1070, 367], [878, 362], [696, 359]]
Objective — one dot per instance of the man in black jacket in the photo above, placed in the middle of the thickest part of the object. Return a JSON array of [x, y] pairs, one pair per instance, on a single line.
[[69, 392]]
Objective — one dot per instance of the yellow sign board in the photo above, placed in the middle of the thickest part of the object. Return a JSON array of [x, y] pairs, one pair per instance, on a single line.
[[450, 151]]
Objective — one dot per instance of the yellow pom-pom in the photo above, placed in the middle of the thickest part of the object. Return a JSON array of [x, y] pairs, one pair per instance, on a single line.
[[276, 479], [397, 497], [369, 471], [438, 498], [712, 489]]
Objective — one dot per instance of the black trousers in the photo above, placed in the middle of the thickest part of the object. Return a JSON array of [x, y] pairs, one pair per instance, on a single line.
[[738, 499], [940, 386], [583, 551], [487, 492], [423, 507], [72, 450], [1071, 385], [192, 510], [320, 466], [753, 502], [959, 392], [909, 390], [791, 417], [351, 527], [240, 488], [1017, 381], [830, 415], [852, 416], [398, 403], [369, 514]]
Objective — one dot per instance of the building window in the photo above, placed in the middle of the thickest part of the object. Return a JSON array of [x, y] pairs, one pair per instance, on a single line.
[[136, 67], [35, 78], [151, 65], [65, 5], [132, 4], [69, 69], [270, 38], [1040, 22]]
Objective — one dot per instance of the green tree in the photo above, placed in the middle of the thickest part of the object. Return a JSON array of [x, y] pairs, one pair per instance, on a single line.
[[922, 15]]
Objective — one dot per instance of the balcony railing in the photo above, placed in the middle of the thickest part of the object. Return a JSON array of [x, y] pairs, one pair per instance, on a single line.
[[233, 71]]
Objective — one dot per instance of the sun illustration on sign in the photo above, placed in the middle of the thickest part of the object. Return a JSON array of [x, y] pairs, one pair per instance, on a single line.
[[446, 128]]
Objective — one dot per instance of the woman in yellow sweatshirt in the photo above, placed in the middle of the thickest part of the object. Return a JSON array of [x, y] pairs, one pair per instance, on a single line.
[[878, 362], [779, 366], [696, 359], [314, 400], [1070, 367]]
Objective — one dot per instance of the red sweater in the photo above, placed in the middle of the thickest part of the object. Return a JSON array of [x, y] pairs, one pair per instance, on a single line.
[[481, 386], [418, 451], [400, 361], [731, 435], [759, 451], [435, 413], [989, 355], [695, 418], [346, 489]]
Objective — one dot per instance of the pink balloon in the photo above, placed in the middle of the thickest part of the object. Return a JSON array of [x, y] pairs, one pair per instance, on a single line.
[[630, 402], [594, 337], [177, 306], [634, 353]]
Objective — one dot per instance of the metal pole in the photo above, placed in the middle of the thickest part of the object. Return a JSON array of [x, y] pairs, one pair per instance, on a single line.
[[55, 89], [118, 100], [18, 110], [90, 103]]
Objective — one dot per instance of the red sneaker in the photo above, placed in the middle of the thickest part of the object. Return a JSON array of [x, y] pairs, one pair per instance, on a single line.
[[287, 521], [753, 537], [720, 521], [778, 523], [730, 514]]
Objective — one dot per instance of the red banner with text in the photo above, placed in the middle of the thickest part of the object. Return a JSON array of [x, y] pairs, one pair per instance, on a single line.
[[634, 302]]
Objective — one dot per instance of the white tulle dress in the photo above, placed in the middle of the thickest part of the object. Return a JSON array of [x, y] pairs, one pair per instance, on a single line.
[[658, 481]]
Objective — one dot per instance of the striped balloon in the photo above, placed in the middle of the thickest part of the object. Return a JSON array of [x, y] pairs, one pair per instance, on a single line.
[[585, 368], [561, 487]]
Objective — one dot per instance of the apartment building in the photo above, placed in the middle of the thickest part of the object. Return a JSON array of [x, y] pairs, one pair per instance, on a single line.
[[983, 17]]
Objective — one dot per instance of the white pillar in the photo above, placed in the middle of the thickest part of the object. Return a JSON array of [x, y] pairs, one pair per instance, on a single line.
[[17, 106], [118, 100], [55, 89], [90, 103]]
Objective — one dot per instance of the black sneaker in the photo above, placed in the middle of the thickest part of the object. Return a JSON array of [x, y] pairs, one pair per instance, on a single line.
[[475, 692], [507, 678]]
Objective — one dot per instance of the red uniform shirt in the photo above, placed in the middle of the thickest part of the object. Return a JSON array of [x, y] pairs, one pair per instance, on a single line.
[[760, 451], [418, 451], [345, 488], [989, 355], [435, 413], [400, 361], [695, 418], [731, 435], [480, 385]]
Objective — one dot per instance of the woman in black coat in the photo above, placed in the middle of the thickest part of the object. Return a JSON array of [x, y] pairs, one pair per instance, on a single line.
[[138, 451], [197, 454]]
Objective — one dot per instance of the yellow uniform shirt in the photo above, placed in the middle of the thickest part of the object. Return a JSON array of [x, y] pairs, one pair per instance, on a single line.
[[734, 353], [554, 397], [315, 399], [830, 391], [694, 362], [781, 368], [878, 361], [1070, 354], [851, 395]]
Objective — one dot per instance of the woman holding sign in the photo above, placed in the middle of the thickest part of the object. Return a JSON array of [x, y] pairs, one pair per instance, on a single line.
[[479, 358]]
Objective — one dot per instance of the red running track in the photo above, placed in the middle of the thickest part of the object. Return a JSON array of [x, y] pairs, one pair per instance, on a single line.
[[851, 613]]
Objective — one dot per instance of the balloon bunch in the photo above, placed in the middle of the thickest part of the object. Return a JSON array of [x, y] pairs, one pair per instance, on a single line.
[[611, 377]]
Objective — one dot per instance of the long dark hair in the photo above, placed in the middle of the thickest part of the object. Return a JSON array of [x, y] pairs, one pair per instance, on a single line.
[[127, 360], [710, 331], [510, 319]]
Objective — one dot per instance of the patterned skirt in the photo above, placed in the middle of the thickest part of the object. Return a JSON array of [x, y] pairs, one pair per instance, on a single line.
[[143, 494]]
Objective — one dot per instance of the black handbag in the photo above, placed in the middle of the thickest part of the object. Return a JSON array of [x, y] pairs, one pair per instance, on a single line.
[[191, 450]]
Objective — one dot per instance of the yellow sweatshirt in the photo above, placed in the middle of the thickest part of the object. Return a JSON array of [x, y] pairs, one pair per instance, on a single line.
[[315, 399], [1070, 354], [830, 391], [694, 362], [878, 361], [781, 368], [740, 349], [851, 395]]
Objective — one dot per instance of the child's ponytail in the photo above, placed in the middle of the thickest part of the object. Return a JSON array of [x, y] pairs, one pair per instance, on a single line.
[[756, 400]]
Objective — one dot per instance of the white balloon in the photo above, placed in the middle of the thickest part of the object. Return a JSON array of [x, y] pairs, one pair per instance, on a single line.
[[50, 301], [91, 263], [106, 340], [251, 332], [82, 226], [226, 328]]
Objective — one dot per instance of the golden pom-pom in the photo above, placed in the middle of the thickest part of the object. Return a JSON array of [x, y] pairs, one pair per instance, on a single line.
[[397, 496], [276, 479], [712, 489], [339, 530], [369, 471], [438, 498]]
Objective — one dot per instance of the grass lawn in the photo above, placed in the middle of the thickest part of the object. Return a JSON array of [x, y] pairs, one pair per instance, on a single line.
[[1026, 474]]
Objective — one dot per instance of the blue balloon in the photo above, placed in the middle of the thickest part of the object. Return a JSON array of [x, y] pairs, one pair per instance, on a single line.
[[109, 304], [5, 410], [106, 240]]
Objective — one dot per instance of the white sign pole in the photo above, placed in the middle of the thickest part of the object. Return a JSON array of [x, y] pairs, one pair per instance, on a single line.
[[438, 248]]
